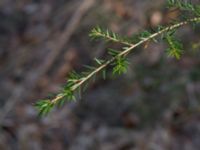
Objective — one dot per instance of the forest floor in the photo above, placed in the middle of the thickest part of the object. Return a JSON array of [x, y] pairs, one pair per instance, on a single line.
[[154, 106]]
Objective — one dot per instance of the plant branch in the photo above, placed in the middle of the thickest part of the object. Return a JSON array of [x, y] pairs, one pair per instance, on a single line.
[[110, 36], [125, 52]]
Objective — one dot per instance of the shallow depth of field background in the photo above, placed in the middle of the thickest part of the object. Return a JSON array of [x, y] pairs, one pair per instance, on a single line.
[[155, 106]]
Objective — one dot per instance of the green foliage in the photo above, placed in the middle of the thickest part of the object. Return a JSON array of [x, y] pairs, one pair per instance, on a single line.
[[120, 65], [141, 36], [44, 107], [175, 47], [113, 52], [118, 58], [99, 33], [185, 5]]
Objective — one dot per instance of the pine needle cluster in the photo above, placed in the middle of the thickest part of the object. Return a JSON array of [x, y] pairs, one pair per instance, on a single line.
[[118, 60]]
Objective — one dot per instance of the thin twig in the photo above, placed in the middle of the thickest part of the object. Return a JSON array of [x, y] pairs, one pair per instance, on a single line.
[[125, 52], [114, 39]]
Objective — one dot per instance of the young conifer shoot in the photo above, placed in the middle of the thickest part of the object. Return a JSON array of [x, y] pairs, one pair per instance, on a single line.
[[118, 58]]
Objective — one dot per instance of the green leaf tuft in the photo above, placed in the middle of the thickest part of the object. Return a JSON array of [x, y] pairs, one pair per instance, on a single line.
[[120, 65]]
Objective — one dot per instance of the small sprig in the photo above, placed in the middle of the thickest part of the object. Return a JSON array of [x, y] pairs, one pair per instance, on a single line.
[[44, 107], [120, 65], [175, 47], [99, 33], [118, 60]]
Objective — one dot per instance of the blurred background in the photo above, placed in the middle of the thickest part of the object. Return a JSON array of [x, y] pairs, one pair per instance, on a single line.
[[155, 106]]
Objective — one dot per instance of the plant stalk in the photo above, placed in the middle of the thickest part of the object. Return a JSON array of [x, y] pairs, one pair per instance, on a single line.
[[126, 52]]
